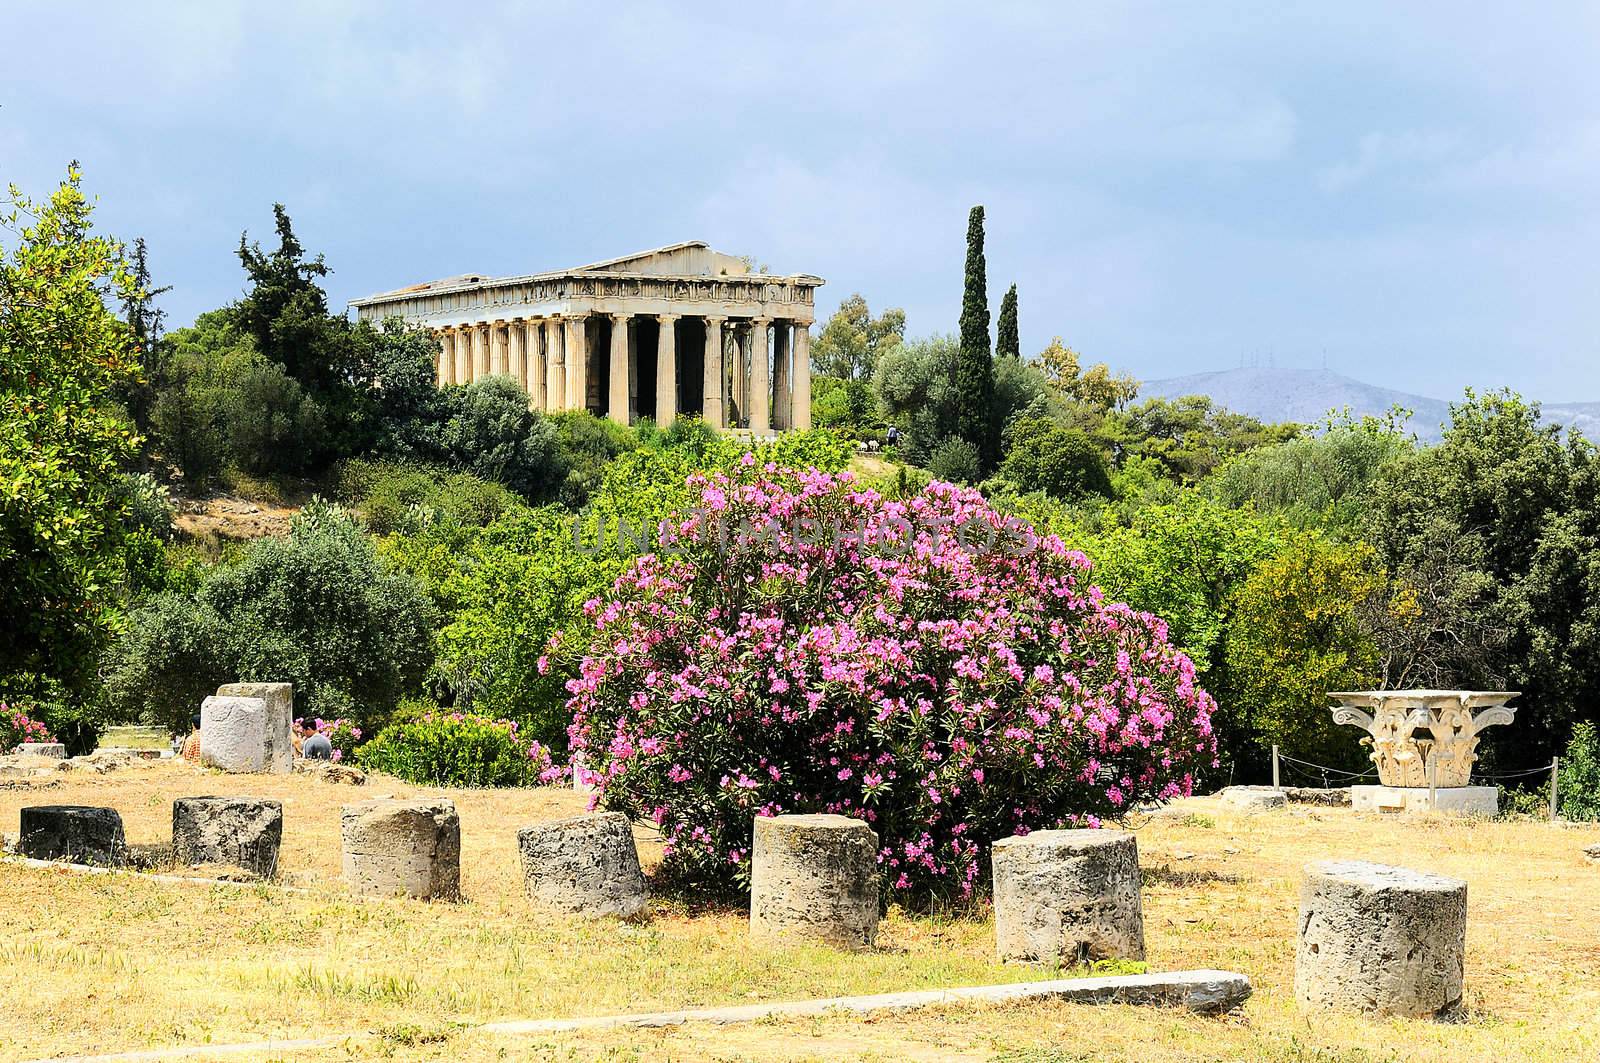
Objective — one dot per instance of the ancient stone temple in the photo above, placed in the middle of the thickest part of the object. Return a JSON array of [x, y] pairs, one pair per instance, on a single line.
[[678, 330]]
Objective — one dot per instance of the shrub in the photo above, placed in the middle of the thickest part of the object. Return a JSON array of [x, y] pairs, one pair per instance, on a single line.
[[1045, 455], [17, 727], [187, 420], [586, 444], [342, 734], [457, 749], [1578, 787], [494, 436], [273, 425], [955, 460], [318, 609], [395, 498], [949, 697]]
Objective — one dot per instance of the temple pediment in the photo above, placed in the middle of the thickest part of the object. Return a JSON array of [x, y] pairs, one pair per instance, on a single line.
[[693, 258]]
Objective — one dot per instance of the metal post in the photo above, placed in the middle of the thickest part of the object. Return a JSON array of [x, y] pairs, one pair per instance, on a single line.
[[1555, 770], [1275, 785]]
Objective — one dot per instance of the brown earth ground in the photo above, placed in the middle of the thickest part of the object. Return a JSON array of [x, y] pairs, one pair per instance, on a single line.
[[95, 963]]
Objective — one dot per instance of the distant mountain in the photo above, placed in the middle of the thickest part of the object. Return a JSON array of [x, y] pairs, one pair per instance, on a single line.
[[1307, 395]]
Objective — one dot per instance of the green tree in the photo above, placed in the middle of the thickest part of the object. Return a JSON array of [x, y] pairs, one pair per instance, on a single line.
[[955, 460], [974, 371], [495, 436], [63, 355], [1063, 462], [850, 343], [144, 320], [1097, 386], [187, 426], [1006, 340], [915, 387], [286, 310], [1303, 633]]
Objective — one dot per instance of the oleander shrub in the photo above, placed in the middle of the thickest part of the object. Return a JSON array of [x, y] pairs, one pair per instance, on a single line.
[[458, 749], [17, 727], [808, 646], [342, 734]]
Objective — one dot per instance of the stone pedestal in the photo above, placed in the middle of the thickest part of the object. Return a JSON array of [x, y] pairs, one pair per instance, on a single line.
[[280, 719], [1380, 939], [1255, 798], [1461, 800], [814, 878], [43, 749], [587, 865], [245, 832], [80, 834], [402, 848], [1068, 897], [233, 734]]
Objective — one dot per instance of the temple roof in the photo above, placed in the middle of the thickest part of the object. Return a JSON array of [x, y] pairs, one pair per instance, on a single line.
[[691, 258]]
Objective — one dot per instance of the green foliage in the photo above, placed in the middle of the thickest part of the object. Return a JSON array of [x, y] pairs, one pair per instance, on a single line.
[[495, 436], [1300, 634], [187, 422], [1498, 528], [273, 425], [395, 498], [586, 444], [816, 449], [851, 342], [974, 375], [914, 382], [843, 403], [62, 358], [318, 609], [455, 749], [286, 310], [1045, 455], [1006, 339], [955, 460], [146, 503], [1190, 436], [1578, 787], [1313, 481]]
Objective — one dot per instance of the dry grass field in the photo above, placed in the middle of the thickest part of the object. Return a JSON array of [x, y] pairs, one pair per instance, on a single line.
[[99, 963]]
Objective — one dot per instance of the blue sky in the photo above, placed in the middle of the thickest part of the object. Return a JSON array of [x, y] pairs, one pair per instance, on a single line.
[[1407, 193]]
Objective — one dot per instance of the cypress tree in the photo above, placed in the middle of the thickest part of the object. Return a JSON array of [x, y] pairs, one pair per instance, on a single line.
[[975, 364], [1005, 332]]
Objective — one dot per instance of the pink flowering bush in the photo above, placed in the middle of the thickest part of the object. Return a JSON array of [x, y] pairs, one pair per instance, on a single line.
[[458, 749], [342, 734], [802, 645], [16, 728]]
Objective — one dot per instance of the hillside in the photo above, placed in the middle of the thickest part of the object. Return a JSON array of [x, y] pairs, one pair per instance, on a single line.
[[1307, 395]]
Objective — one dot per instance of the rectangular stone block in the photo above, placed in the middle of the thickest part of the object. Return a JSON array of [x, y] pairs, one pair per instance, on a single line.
[[279, 698], [1460, 800], [233, 734]]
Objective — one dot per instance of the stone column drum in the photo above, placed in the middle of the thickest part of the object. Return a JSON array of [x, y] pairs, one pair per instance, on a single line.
[[233, 734], [81, 834], [280, 719], [1068, 897], [814, 878], [587, 865], [245, 832], [402, 848], [1380, 939]]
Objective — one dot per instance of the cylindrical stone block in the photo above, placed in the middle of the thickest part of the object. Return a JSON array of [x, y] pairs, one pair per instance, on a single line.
[[233, 734], [587, 865], [245, 832], [1380, 939], [1068, 897], [80, 834], [402, 848], [814, 878]]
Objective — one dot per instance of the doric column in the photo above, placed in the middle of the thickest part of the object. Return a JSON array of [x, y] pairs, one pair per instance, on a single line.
[[497, 349], [518, 368], [534, 352], [760, 385], [447, 358], [666, 369], [741, 375], [711, 402], [557, 355], [617, 406], [801, 410], [462, 345], [780, 375], [480, 351], [572, 390]]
